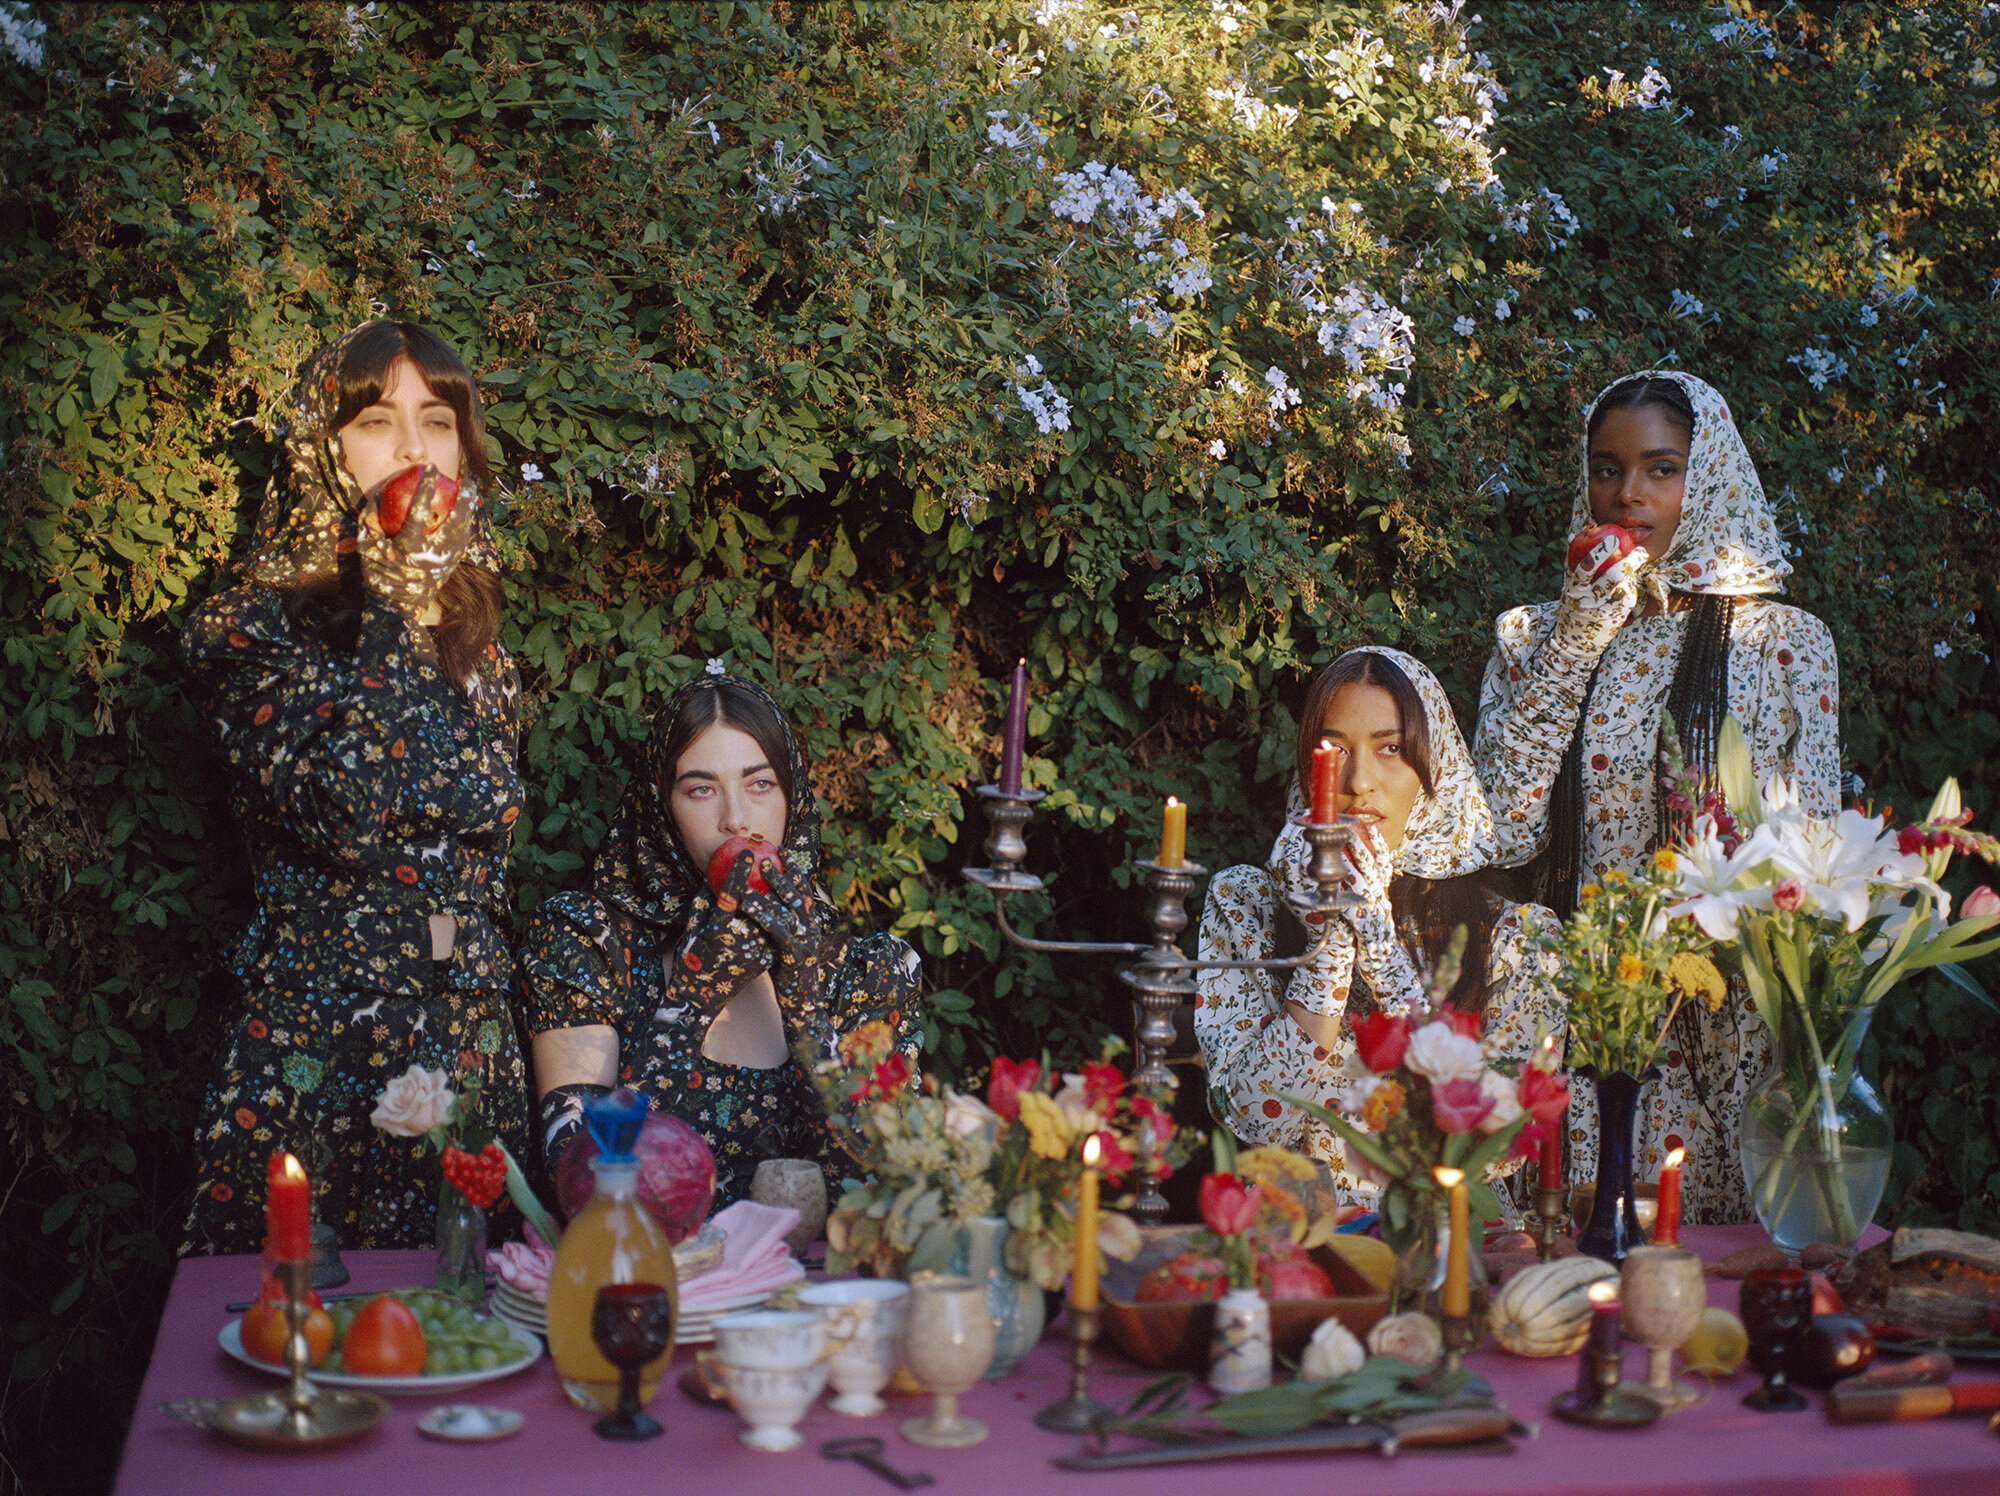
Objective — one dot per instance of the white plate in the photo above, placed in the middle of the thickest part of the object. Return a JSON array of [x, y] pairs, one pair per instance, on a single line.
[[231, 1340]]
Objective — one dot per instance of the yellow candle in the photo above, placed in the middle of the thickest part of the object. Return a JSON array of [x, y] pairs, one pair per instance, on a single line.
[[1458, 1263], [1173, 834], [1083, 1277]]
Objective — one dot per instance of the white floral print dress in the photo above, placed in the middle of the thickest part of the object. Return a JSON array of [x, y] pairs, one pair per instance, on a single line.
[[1784, 689], [1256, 1053]]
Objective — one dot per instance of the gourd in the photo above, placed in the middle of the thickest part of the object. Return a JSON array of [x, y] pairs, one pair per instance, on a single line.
[[1545, 1310]]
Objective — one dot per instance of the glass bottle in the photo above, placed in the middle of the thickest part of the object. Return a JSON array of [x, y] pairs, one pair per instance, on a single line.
[[612, 1240]]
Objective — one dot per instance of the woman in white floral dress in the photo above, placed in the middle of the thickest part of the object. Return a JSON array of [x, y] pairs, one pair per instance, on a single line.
[[1406, 774], [1569, 739]]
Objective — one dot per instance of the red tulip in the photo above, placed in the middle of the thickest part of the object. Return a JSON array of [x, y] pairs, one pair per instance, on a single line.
[[1009, 1080], [1465, 1025], [1102, 1081], [1459, 1105], [1381, 1040], [1546, 1095], [1227, 1208]]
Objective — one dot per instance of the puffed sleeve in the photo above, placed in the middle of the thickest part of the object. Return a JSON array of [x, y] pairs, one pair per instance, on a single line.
[[317, 730], [1785, 686], [1523, 1000], [573, 965], [1528, 708], [1253, 1049]]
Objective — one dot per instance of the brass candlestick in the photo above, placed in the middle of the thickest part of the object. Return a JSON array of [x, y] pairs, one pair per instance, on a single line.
[[1550, 1219], [1078, 1413], [1460, 1335], [1163, 977]]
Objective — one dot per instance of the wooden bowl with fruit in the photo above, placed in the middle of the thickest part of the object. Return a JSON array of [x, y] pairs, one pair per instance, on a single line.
[[1159, 1308]]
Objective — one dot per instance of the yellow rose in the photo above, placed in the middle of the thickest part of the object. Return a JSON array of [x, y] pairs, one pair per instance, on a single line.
[[1049, 1132]]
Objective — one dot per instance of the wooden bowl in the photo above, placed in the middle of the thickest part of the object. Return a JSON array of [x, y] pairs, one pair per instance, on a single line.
[[1175, 1337]]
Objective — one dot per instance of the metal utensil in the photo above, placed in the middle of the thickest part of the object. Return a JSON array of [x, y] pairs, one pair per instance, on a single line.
[[867, 1451]]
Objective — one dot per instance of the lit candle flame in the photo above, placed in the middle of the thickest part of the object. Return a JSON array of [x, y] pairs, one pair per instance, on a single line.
[[1674, 1158], [1603, 1291], [1091, 1147], [1447, 1176]]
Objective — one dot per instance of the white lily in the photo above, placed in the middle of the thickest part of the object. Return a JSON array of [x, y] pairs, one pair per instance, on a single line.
[[1841, 862], [1718, 882]]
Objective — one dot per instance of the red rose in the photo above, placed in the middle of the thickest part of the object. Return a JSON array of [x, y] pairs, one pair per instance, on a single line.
[[1102, 1081], [1381, 1039], [1009, 1080]]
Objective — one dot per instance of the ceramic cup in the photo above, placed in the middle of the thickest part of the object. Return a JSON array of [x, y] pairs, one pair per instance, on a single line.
[[772, 1363], [865, 1320], [799, 1183]]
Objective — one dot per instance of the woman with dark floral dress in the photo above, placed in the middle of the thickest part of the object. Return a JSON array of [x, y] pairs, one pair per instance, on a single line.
[[368, 721], [713, 1003]]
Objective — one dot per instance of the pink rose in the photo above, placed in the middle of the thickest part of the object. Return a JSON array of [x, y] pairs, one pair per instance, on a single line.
[[413, 1103], [1788, 893], [1459, 1105]]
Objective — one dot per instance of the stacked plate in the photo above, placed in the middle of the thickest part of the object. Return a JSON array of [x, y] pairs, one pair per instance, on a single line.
[[519, 1307], [697, 1326]]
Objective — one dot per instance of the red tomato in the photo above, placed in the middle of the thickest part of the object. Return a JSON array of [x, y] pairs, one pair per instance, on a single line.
[[724, 860], [1601, 546], [384, 1340], [265, 1332]]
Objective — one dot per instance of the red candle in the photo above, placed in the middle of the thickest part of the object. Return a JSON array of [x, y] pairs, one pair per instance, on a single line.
[[1014, 739], [1325, 756], [1552, 1157], [1667, 1225], [288, 1209]]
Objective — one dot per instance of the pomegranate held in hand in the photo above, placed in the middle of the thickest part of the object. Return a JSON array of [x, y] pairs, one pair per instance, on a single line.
[[724, 860], [1598, 548], [401, 490], [676, 1175]]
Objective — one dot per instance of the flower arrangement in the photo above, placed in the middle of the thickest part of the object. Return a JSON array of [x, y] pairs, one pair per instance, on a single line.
[[421, 1103], [1628, 960], [1822, 918], [1259, 1222], [934, 1155]]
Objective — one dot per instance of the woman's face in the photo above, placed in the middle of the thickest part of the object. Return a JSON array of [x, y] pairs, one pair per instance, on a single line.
[[1378, 785], [1638, 473], [724, 786], [406, 426]]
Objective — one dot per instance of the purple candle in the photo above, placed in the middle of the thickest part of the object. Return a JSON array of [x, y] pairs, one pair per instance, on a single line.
[[1015, 738]]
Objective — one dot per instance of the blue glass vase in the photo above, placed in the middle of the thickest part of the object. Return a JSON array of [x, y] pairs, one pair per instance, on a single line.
[[1614, 1218]]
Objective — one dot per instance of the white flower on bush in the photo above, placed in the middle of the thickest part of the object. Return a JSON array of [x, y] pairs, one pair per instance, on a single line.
[[1685, 304], [1366, 331], [1463, 327], [414, 1103], [1582, 313], [1820, 365], [1332, 1352], [1217, 450], [1439, 1052], [531, 472], [1653, 89], [1045, 402], [1282, 396], [1502, 310], [21, 34]]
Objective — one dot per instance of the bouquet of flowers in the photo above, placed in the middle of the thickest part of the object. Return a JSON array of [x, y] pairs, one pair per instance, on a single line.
[[1627, 964], [1423, 1094], [1259, 1231], [934, 1154], [421, 1103], [1821, 918]]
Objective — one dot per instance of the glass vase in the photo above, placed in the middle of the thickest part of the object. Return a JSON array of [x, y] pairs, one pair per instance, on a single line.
[[1815, 1153], [1613, 1229], [461, 1247], [1421, 1249]]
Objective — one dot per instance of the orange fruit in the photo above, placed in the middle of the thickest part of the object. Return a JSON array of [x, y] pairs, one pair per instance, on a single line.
[[264, 1332], [384, 1340]]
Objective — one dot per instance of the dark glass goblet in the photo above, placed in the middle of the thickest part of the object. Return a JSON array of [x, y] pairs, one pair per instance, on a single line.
[[1776, 1310], [631, 1323]]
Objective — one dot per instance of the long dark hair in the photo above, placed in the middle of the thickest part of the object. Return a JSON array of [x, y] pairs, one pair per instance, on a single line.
[[330, 607], [1428, 911], [1697, 698], [732, 706]]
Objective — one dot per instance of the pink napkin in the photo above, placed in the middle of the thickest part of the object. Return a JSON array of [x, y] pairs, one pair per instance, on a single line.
[[754, 1255], [524, 1265]]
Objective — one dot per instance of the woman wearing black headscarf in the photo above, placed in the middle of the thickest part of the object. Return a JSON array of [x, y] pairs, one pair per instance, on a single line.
[[712, 1001], [368, 719]]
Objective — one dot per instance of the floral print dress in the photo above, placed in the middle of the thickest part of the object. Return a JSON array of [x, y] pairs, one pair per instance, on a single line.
[[1256, 1052], [1783, 688], [618, 955], [373, 793]]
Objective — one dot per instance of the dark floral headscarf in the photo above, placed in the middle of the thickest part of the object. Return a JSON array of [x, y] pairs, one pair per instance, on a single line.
[[643, 867]]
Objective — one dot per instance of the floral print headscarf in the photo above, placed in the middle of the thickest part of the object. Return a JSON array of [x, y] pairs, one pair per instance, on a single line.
[[1450, 830], [1727, 543], [312, 507], [643, 866]]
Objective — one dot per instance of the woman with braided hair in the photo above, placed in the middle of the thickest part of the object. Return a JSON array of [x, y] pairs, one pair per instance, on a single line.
[[368, 720], [1570, 745], [716, 1002]]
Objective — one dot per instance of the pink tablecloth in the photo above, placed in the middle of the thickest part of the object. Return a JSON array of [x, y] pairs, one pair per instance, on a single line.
[[1715, 1448]]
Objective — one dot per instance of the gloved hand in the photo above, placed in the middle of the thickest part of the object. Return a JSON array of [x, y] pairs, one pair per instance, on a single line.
[[412, 535], [1379, 954], [562, 1118], [1320, 983], [738, 933], [1591, 609]]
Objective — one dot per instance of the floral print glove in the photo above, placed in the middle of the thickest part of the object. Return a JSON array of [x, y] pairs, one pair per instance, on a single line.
[[433, 525], [1321, 984], [1593, 609], [1379, 953]]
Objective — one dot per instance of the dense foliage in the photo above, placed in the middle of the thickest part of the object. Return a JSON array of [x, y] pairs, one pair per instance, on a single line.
[[1172, 345]]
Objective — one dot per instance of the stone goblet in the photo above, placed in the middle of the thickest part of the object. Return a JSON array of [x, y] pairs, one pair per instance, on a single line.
[[799, 1183], [947, 1346], [1663, 1293]]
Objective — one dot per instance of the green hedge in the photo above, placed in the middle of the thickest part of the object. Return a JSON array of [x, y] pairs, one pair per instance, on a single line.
[[872, 346]]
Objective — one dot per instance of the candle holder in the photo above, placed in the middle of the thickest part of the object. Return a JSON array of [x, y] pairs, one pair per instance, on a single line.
[[1549, 1219], [1461, 1335], [1078, 1413], [1599, 1400], [1163, 977], [303, 1416]]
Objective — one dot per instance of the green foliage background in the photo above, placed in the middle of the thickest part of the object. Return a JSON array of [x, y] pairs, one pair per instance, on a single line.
[[751, 290]]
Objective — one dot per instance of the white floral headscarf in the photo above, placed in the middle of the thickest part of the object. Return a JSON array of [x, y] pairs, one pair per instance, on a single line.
[[1450, 830], [1727, 543]]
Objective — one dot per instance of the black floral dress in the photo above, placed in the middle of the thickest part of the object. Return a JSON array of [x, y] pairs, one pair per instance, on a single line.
[[373, 793], [623, 955]]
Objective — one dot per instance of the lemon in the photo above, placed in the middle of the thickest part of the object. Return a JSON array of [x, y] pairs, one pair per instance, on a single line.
[[1368, 1256], [1718, 1346]]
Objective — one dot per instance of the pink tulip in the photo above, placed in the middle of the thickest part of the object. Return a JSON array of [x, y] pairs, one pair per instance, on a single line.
[[1981, 903], [1459, 1105]]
